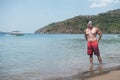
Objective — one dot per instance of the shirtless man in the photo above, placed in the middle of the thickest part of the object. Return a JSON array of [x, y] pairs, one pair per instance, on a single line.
[[92, 42]]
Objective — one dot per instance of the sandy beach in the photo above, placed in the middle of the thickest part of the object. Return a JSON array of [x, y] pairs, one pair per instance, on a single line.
[[112, 75]]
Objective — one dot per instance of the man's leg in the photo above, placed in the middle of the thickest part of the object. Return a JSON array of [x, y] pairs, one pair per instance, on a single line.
[[91, 60], [100, 60], [97, 52]]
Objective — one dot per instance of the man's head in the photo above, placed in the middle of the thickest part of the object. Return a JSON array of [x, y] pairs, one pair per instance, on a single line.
[[89, 24]]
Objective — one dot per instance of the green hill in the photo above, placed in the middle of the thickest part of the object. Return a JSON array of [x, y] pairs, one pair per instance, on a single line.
[[108, 22]]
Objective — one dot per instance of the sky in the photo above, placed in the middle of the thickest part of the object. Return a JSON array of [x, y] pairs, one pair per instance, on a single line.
[[29, 15]]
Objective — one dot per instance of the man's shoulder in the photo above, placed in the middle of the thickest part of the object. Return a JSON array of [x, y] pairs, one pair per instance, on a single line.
[[85, 29], [95, 27]]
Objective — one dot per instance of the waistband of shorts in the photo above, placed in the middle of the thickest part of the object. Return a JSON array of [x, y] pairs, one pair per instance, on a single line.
[[93, 41]]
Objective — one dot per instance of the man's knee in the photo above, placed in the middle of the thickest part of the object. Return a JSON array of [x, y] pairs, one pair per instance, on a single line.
[[99, 58], [91, 56]]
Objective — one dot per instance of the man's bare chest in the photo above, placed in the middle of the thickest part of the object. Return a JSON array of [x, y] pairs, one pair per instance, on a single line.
[[91, 32]]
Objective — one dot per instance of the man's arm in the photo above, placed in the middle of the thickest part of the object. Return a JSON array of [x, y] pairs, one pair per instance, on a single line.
[[85, 34], [99, 34]]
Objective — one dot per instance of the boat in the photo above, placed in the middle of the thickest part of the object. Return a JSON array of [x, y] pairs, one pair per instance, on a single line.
[[16, 33]]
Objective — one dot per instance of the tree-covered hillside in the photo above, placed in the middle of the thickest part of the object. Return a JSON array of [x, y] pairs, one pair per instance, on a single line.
[[108, 22]]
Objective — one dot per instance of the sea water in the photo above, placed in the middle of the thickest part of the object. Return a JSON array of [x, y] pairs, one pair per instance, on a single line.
[[41, 56]]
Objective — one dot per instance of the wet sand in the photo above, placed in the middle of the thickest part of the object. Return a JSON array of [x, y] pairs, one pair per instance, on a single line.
[[99, 73], [112, 75]]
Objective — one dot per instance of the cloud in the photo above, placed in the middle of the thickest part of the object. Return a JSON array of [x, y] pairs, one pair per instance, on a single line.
[[102, 3]]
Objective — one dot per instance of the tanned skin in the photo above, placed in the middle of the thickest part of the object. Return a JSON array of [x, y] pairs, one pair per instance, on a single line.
[[91, 33]]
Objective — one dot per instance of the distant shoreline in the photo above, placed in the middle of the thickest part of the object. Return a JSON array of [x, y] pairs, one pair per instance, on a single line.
[[108, 22]]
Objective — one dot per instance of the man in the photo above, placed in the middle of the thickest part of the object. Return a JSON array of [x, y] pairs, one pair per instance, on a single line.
[[92, 42]]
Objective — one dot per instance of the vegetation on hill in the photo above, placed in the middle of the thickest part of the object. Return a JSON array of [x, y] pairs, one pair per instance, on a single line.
[[108, 22]]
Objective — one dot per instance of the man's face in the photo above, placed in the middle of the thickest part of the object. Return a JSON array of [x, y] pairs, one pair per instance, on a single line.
[[89, 26]]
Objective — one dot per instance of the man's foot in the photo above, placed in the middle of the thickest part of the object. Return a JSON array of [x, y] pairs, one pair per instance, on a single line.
[[100, 68], [91, 67], [101, 65]]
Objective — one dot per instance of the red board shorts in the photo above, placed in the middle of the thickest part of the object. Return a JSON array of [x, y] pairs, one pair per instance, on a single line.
[[92, 46]]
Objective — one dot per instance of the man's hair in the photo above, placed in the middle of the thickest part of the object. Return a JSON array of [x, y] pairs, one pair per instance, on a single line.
[[89, 22]]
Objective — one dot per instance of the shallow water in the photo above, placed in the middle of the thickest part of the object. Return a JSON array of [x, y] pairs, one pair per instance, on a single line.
[[38, 56]]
